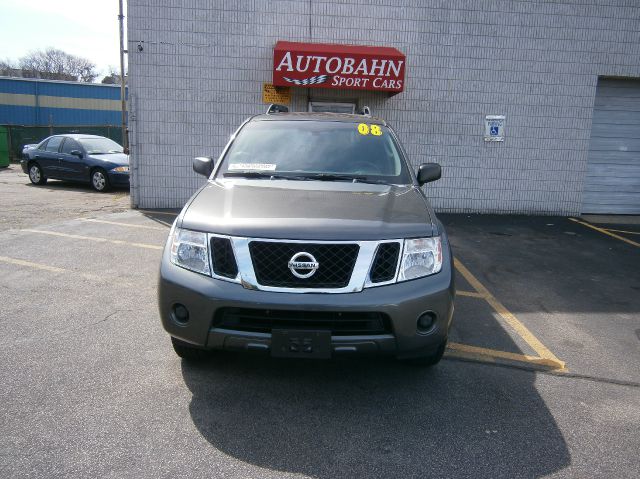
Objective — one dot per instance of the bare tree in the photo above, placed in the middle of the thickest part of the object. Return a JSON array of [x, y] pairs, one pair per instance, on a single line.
[[53, 64], [113, 78], [7, 68]]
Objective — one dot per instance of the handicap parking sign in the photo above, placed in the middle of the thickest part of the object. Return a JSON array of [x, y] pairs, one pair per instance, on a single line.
[[494, 128]]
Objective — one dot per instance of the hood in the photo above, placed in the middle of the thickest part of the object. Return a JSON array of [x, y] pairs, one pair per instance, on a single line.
[[119, 159], [308, 210]]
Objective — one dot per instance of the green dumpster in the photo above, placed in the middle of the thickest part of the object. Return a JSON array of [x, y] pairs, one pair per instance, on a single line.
[[4, 147]]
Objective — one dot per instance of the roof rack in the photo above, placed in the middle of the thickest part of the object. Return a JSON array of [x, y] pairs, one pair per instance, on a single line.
[[366, 111], [275, 108]]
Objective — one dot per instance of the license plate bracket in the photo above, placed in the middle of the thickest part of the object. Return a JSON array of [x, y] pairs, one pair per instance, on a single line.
[[290, 343]]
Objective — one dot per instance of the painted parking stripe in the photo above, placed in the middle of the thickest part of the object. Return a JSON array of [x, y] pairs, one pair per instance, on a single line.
[[623, 231], [471, 294], [129, 225], [45, 267], [95, 239], [601, 230], [450, 353], [29, 264], [494, 353], [509, 318]]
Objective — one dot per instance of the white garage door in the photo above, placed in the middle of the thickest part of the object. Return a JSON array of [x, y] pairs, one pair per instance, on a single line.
[[613, 171]]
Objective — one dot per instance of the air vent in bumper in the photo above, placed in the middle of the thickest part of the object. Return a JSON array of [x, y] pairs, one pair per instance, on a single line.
[[339, 323]]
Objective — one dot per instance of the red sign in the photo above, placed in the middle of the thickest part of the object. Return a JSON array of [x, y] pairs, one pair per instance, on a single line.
[[346, 67]]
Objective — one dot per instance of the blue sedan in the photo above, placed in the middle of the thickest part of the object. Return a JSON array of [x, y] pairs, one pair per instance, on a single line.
[[84, 158]]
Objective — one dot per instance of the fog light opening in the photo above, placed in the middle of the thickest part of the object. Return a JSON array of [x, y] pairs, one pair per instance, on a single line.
[[180, 313], [426, 322]]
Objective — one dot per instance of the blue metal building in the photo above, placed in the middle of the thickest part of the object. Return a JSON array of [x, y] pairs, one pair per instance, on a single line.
[[35, 102]]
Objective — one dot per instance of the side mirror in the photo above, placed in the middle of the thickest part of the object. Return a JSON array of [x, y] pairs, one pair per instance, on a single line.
[[203, 165], [428, 172], [77, 153]]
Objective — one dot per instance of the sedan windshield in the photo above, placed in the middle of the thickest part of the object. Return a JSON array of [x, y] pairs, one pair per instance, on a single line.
[[100, 146], [316, 150]]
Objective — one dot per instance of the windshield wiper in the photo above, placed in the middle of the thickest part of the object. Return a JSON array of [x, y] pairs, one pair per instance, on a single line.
[[372, 182], [260, 174], [307, 177], [335, 177]]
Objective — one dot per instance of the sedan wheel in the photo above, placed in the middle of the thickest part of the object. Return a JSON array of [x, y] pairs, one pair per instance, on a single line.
[[100, 181], [35, 175]]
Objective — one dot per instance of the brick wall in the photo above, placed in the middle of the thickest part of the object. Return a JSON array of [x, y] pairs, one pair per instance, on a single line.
[[202, 65]]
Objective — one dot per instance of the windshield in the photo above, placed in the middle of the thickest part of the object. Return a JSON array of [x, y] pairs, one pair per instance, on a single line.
[[98, 146], [325, 150]]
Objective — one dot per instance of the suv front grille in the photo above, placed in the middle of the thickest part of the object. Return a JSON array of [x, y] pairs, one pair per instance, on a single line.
[[224, 262], [339, 323], [271, 264], [385, 263]]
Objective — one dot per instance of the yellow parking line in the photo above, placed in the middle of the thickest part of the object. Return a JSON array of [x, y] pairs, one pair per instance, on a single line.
[[508, 317], [623, 231], [96, 239], [613, 235], [46, 267], [130, 225], [29, 264], [471, 294], [493, 353], [450, 353]]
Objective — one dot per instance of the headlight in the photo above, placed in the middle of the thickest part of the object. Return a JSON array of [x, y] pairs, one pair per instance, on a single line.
[[121, 169], [189, 250], [420, 257]]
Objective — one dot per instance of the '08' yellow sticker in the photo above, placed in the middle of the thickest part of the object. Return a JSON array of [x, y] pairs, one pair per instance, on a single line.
[[365, 129]]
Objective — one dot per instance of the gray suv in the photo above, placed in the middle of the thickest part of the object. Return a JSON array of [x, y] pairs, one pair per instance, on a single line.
[[311, 239]]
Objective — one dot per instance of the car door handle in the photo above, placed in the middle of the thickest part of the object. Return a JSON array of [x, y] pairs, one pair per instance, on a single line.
[[36, 156]]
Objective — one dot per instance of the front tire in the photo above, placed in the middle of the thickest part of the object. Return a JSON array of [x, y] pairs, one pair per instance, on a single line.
[[188, 352], [100, 180], [36, 176]]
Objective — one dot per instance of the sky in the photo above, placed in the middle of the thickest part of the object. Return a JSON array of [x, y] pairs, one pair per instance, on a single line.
[[85, 28]]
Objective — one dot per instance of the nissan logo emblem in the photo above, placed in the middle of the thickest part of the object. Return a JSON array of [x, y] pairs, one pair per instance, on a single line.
[[303, 265]]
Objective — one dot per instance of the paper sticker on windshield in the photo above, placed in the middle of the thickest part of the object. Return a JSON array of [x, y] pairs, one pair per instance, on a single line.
[[252, 166], [365, 129]]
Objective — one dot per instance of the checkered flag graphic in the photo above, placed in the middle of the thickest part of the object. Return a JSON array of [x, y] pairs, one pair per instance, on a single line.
[[308, 81]]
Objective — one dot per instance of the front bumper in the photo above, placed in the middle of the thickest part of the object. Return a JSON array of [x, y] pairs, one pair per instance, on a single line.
[[25, 165], [402, 302], [118, 179]]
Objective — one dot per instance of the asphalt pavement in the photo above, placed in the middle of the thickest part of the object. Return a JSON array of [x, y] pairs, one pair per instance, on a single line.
[[542, 379]]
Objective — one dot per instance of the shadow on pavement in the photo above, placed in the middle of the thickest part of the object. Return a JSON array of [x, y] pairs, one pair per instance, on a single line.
[[164, 217], [379, 418], [375, 418], [547, 264], [80, 187]]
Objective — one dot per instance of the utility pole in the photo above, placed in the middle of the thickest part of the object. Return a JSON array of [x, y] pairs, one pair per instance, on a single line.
[[125, 136]]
